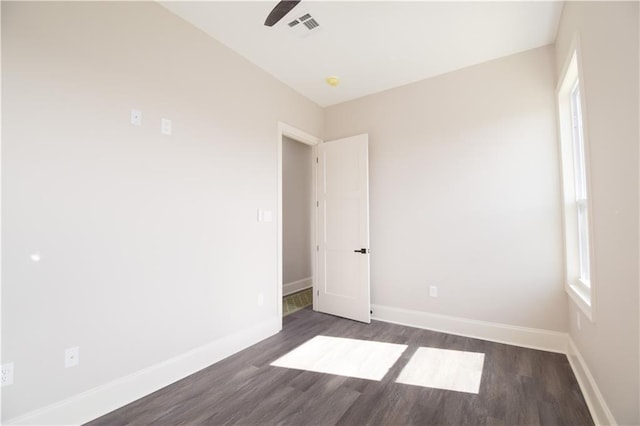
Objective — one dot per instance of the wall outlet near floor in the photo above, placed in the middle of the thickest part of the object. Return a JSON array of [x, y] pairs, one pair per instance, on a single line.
[[71, 357], [433, 291], [7, 374]]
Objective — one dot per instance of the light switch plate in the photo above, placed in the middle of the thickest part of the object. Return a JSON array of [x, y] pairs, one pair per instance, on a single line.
[[165, 126], [433, 291], [265, 215]]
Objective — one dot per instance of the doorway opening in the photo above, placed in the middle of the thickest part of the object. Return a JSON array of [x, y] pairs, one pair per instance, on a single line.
[[297, 199], [296, 218]]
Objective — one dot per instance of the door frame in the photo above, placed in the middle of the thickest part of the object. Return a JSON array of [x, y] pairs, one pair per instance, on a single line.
[[298, 135]]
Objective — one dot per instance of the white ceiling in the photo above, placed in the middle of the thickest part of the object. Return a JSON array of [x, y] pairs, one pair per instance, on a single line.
[[373, 45]]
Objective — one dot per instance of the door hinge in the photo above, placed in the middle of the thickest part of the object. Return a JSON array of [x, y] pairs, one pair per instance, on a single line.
[[317, 248], [317, 161], [317, 203], [317, 292]]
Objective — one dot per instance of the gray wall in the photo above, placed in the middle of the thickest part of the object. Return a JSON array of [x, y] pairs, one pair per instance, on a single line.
[[609, 37], [143, 237], [464, 192], [296, 210]]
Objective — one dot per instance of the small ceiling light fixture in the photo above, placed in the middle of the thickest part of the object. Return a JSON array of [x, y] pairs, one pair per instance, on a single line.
[[333, 81]]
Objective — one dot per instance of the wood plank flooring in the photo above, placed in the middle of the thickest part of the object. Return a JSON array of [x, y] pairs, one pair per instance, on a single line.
[[519, 386]]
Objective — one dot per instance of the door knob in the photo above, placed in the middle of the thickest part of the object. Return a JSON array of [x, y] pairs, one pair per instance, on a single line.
[[363, 251]]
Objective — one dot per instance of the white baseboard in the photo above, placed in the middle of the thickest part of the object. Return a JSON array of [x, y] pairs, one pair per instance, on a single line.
[[552, 341], [103, 399], [546, 340], [596, 403], [295, 286]]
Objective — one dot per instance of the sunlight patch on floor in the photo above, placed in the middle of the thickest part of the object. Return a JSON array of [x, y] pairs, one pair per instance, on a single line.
[[444, 369], [344, 357]]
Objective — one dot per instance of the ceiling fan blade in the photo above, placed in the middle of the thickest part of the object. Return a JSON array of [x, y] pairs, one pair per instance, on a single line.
[[279, 11]]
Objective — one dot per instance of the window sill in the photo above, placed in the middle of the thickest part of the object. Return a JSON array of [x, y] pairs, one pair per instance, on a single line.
[[584, 283], [581, 298]]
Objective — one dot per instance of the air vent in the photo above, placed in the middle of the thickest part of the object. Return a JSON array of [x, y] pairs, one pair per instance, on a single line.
[[311, 23]]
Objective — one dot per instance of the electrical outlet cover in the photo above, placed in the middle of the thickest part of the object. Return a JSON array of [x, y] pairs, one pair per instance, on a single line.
[[578, 321], [71, 357], [136, 117], [7, 374]]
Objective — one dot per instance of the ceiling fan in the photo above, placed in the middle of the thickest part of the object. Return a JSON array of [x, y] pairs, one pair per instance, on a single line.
[[279, 11]]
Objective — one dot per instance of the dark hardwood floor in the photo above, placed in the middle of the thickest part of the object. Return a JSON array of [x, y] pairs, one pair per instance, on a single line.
[[519, 386]]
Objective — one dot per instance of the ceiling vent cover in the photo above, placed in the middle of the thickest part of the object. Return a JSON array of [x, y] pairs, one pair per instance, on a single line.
[[309, 24]]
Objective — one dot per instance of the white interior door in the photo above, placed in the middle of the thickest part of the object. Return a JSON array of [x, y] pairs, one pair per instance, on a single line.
[[343, 228]]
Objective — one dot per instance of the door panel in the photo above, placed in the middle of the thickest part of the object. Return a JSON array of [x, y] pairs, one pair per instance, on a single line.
[[343, 227]]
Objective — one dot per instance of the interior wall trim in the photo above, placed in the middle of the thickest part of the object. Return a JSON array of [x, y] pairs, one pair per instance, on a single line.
[[103, 399], [546, 340], [295, 286], [595, 401]]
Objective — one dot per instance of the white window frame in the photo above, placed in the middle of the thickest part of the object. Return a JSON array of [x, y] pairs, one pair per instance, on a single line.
[[576, 187]]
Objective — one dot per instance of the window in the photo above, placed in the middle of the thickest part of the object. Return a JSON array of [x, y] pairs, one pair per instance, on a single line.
[[580, 176], [575, 184]]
